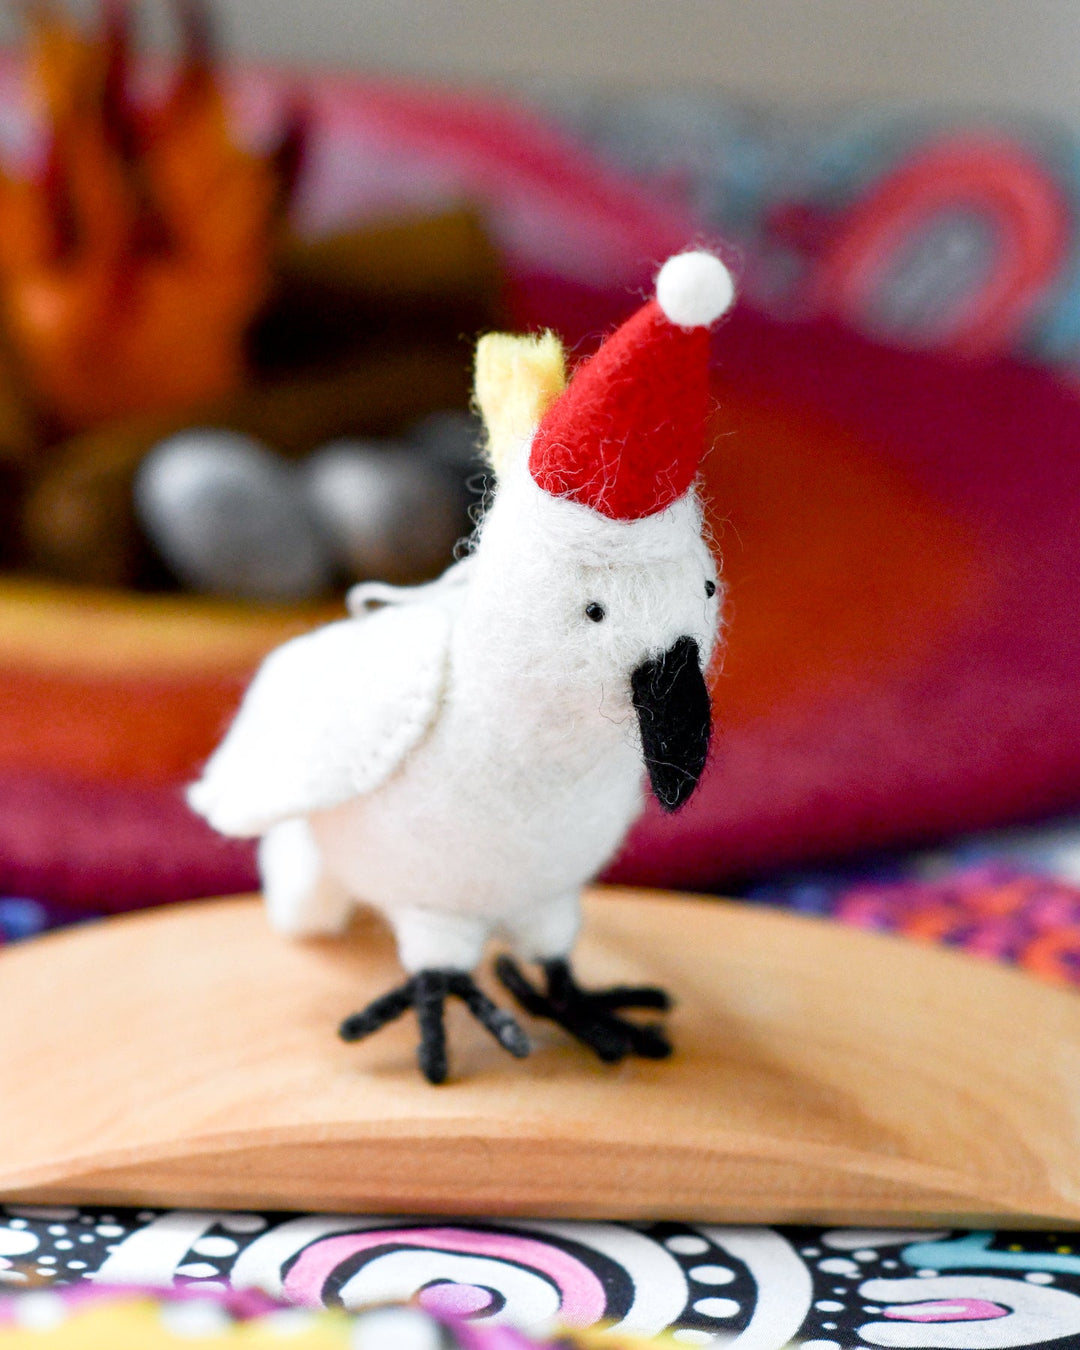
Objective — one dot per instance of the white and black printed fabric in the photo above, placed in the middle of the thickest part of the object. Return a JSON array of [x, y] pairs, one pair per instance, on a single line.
[[745, 1288]]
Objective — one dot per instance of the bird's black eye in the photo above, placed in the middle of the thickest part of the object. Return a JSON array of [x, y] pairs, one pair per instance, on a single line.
[[710, 589], [594, 611]]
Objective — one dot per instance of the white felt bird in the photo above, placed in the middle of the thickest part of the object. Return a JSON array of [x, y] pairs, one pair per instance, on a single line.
[[465, 756]]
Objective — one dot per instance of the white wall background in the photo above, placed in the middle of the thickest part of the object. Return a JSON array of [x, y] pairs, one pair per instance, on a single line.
[[1022, 54]]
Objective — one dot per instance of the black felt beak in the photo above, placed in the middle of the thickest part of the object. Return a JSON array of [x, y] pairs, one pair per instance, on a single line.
[[675, 717]]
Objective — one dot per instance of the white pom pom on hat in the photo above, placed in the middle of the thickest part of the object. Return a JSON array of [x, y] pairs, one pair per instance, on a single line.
[[694, 289]]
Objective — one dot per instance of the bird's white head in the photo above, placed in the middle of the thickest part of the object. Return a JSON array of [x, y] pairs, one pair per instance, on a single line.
[[592, 559]]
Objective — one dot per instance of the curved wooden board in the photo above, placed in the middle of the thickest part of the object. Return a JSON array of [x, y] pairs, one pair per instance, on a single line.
[[188, 1056]]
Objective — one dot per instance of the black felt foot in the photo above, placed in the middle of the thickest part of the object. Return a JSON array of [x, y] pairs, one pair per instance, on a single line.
[[591, 1017], [427, 992]]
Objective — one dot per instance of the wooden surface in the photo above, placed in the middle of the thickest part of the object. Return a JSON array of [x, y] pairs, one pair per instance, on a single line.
[[188, 1056]]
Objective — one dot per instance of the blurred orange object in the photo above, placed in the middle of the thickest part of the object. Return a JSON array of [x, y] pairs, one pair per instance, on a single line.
[[133, 260]]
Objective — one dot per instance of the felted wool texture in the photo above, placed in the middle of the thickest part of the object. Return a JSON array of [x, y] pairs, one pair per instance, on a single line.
[[517, 378], [367, 596], [476, 801], [694, 289], [302, 898], [627, 436], [468, 756], [649, 576], [532, 772], [328, 716]]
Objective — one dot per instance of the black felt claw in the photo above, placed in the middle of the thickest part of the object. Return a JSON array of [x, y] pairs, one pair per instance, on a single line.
[[591, 1017], [427, 992]]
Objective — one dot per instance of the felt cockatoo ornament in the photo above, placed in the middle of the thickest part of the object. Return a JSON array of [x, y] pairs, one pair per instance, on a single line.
[[465, 756]]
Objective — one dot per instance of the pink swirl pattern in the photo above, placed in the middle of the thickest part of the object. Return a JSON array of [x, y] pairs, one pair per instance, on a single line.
[[583, 1301], [947, 1310]]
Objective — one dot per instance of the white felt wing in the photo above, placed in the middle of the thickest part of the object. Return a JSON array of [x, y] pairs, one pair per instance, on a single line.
[[329, 716]]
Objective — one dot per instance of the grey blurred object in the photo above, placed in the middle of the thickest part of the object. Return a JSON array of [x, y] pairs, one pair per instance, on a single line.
[[386, 510], [230, 518], [452, 438]]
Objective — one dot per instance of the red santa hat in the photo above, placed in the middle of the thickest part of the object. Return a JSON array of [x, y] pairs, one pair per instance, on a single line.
[[627, 435]]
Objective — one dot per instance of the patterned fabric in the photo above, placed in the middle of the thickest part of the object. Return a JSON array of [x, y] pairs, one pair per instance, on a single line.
[[953, 234], [86, 1318], [1011, 897], [756, 1289]]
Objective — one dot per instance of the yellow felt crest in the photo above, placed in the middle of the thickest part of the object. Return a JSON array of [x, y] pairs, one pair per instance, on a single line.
[[517, 380]]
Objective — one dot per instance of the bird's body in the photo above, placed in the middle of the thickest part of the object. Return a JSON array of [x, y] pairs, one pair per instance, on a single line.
[[480, 863], [497, 813], [465, 756]]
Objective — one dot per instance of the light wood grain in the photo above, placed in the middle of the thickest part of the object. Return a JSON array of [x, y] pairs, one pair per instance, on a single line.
[[188, 1056]]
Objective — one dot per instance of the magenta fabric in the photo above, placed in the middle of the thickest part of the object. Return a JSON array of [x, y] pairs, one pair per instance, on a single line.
[[986, 729]]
